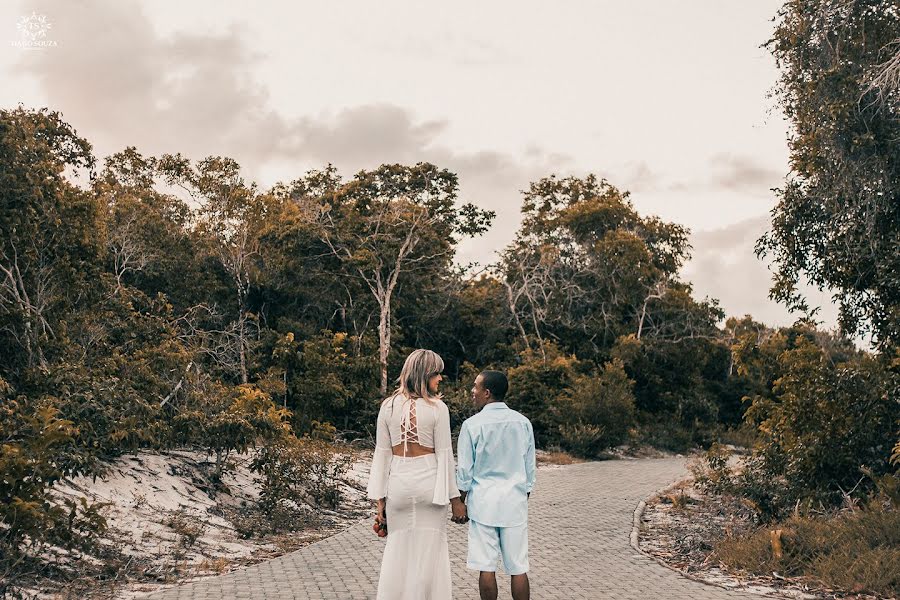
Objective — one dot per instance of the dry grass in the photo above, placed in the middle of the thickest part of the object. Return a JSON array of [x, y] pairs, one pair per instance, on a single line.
[[857, 551], [556, 457]]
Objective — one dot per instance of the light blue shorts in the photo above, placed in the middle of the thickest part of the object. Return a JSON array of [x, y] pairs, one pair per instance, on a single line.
[[487, 544]]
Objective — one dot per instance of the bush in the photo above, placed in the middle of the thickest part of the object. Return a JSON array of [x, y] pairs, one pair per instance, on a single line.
[[225, 420], [857, 551], [825, 423], [337, 381], [34, 440], [712, 474], [585, 441], [458, 396], [665, 433], [536, 387], [292, 470], [597, 412]]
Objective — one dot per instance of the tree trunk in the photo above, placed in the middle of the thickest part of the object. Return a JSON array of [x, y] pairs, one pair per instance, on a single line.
[[515, 313], [384, 340]]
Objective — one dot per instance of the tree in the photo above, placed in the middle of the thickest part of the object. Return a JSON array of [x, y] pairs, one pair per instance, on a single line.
[[837, 221], [586, 268], [149, 239], [597, 411], [304, 286], [826, 424], [395, 226], [49, 232], [231, 215]]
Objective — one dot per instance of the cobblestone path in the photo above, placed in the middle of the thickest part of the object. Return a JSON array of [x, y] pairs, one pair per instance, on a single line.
[[580, 523]]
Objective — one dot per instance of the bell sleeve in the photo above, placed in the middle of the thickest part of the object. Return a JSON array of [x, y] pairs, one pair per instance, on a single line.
[[445, 482], [381, 459]]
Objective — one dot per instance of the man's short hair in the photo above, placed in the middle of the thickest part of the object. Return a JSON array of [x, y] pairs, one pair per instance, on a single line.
[[496, 383]]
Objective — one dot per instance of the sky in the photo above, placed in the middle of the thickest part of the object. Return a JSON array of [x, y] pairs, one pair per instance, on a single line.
[[668, 100]]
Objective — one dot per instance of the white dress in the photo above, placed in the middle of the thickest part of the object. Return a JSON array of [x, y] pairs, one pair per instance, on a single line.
[[416, 561]]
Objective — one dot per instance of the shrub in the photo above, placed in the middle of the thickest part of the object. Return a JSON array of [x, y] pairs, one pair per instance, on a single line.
[[857, 551], [536, 386], [34, 441], [712, 473], [597, 412], [458, 396], [293, 469], [825, 423], [665, 433], [225, 420], [337, 381], [582, 440]]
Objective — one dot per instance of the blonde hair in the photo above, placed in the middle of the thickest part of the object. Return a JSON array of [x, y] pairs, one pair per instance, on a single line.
[[420, 366]]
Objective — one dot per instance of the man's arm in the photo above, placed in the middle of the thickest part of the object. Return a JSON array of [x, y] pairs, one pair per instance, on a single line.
[[465, 457], [530, 462]]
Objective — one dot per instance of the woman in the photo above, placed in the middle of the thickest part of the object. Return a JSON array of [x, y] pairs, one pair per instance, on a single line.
[[413, 478]]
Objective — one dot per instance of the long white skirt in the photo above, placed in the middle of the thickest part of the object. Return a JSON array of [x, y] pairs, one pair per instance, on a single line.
[[416, 562]]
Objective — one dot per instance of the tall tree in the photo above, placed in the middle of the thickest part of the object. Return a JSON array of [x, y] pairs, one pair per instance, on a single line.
[[837, 221], [396, 225], [586, 268], [231, 214], [50, 241]]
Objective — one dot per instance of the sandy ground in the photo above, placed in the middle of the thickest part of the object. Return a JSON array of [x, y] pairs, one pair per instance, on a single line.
[[172, 526]]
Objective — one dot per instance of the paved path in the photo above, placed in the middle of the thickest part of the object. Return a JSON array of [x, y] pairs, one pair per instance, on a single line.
[[579, 526]]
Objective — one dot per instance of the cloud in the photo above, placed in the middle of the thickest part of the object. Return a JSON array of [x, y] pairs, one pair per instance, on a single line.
[[724, 266], [120, 82], [638, 177], [359, 135], [450, 47], [742, 173], [733, 173]]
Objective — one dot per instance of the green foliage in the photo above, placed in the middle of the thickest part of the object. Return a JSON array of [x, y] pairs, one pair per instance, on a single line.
[[295, 469], [336, 380], [837, 218], [33, 438], [536, 387], [458, 396], [583, 440], [824, 422], [228, 420], [712, 473], [586, 268], [680, 390], [50, 247], [597, 411]]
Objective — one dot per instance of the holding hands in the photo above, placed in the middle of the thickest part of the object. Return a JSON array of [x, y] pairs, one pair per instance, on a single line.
[[459, 511]]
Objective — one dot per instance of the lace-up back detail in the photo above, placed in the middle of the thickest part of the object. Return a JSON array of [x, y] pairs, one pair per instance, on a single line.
[[409, 426], [411, 420], [403, 420]]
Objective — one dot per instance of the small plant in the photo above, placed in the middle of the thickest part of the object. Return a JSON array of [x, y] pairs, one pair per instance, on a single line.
[[679, 499], [139, 500], [186, 526], [293, 469], [712, 473], [582, 440]]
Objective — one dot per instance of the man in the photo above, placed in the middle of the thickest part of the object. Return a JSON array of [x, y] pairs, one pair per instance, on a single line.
[[495, 476]]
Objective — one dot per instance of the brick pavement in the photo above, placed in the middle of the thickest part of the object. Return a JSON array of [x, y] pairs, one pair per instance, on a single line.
[[579, 525]]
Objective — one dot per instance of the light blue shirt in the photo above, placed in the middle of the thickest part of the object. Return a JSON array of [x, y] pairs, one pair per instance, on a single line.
[[496, 465]]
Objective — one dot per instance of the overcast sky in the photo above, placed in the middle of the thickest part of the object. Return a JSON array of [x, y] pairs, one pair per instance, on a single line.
[[669, 100]]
